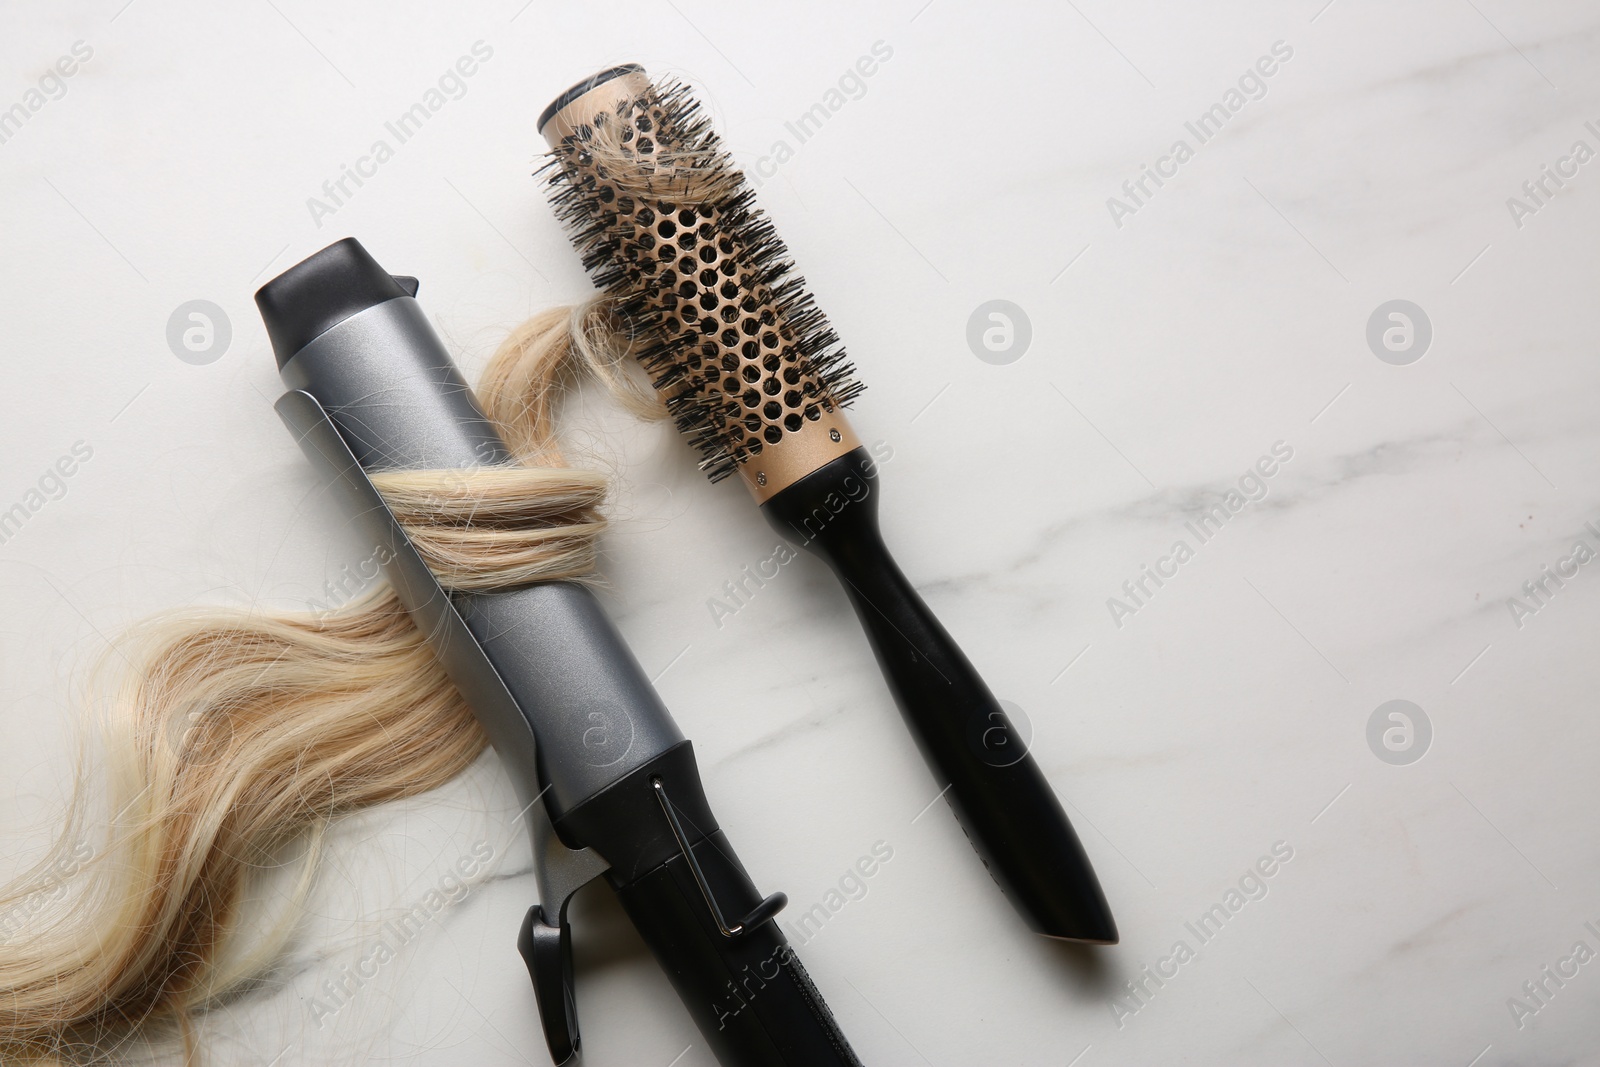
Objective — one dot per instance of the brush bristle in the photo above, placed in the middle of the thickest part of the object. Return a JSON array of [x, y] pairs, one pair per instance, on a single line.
[[667, 227]]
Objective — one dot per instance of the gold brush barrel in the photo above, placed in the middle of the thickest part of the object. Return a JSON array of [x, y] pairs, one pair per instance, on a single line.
[[748, 365]]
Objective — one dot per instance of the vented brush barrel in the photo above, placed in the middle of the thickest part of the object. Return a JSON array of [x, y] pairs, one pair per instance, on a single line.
[[756, 379], [750, 368]]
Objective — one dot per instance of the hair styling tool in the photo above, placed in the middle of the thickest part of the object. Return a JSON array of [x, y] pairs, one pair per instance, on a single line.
[[609, 784], [756, 378]]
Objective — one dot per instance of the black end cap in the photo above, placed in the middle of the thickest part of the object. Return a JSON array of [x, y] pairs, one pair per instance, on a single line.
[[321, 291], [584, 86]]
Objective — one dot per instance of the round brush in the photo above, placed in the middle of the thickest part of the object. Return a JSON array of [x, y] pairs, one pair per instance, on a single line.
[[756, 378]]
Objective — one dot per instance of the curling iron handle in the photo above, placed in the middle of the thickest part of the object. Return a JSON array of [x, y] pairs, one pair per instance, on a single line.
[[749, 993], [1003, 802], [702, 917]]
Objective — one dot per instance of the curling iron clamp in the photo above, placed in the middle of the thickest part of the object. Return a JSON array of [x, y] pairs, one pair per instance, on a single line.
[[608, 783]]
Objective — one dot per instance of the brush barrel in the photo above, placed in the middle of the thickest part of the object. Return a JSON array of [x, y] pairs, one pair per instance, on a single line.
[[749, 368], [1003, 802]]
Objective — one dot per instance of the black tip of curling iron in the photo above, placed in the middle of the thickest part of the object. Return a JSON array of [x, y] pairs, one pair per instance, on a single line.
[[321, 291], [584, 86]]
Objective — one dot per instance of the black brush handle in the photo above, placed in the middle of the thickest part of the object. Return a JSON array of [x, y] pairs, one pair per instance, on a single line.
[[1003, 802]]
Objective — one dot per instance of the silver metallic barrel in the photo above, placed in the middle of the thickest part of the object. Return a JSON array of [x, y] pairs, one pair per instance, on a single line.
[[397, 399]]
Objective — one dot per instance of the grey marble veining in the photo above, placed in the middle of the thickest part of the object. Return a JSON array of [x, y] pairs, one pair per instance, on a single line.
[[1424, 902]]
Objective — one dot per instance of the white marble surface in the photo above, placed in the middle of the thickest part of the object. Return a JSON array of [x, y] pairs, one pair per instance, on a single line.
[[1225, 314]]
